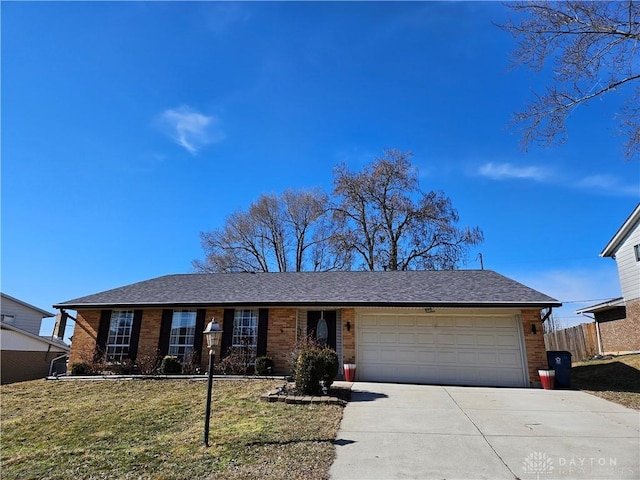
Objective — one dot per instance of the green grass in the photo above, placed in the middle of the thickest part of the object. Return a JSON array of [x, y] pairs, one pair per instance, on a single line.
[[153, 429], [616, 379]]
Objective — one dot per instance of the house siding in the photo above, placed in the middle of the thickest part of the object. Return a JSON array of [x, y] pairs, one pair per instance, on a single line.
[[628, 267], [26, 318]]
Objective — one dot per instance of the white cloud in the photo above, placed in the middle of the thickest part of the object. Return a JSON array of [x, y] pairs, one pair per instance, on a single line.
[[505, 171], [189, 128], [608, 184], [603, 184]]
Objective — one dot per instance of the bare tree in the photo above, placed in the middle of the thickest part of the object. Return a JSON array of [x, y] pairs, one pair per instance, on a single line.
[[277, 233], [384, 217], [595, 48]]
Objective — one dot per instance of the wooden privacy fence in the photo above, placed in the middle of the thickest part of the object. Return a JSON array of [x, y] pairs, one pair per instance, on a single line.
[[581, 341]]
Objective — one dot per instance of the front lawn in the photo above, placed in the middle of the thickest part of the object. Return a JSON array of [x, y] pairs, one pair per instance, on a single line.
[[153, 429], [616, 379]]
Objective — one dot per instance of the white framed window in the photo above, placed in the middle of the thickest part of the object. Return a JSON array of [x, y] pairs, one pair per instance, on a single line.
[[119, 335], [183, 331], [245, 332]]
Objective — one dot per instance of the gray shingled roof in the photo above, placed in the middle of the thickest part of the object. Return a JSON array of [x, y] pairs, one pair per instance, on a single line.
[[462, 288]]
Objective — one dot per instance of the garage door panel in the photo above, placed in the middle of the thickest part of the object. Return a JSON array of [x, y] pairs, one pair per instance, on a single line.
[[443, 322], [406, 321], [466, 339], [386, 337], [369, 337], [507, 340], [425, 338], [483, 340], [464, 322], [407, 338], [368, 320], [445, 339], [442, 350]]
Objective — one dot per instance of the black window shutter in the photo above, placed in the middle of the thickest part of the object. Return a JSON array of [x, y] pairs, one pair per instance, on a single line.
[[197, 340], [263, 327], [227, 331], [103, 334], [135, 334], [165, 331]]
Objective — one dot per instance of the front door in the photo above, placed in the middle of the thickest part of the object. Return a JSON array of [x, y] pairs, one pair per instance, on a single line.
[[321, 326]]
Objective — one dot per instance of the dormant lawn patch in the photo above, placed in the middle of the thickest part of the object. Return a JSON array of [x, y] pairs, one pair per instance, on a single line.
[[153, 429]]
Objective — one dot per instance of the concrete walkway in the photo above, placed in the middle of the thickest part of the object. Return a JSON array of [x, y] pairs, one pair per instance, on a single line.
[[392, 431]]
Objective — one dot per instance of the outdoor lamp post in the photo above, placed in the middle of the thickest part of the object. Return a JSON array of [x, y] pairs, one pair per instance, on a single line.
[[213, 334]]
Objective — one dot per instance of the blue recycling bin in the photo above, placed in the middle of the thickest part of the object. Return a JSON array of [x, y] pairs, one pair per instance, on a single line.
[[560, 361]]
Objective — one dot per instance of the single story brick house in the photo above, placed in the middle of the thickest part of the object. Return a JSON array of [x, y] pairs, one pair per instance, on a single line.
[[460, 327]]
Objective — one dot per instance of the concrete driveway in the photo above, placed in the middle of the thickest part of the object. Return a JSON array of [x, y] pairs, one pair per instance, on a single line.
[[393, 431]]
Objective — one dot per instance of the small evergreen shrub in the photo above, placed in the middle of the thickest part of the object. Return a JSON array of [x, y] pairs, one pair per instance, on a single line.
[[329, 365], [309, 372], [305, 343], [170, 366], [264, 366], [81, 368]]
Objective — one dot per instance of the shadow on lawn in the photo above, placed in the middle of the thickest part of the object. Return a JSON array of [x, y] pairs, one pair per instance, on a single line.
[[615, 376]]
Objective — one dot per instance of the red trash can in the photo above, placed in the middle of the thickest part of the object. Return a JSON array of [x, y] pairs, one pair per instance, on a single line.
[[349, 372], [548, 378]]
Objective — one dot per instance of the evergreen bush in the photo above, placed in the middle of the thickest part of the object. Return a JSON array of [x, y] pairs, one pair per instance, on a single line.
[[264, 366], [170, 365]]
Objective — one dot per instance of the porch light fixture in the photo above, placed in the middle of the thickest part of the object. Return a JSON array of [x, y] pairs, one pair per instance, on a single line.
[[213, 334]]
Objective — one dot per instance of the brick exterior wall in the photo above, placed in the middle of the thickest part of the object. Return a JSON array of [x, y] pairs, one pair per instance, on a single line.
[[535, 350], [281, 337], [85, 334], [621, 336], [348, 336]]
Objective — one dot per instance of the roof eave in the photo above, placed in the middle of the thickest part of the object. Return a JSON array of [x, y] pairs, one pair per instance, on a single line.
[[611, 247], [425, 304]]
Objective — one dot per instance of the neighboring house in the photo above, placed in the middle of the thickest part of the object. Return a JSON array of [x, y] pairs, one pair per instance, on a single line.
[[462, 327], [618, 320], [24, 354]]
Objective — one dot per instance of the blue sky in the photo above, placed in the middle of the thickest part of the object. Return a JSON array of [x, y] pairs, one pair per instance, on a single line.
[[128, 128]]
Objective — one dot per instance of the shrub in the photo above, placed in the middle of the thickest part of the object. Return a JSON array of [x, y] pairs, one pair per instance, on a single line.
[[170, 365], [191, 363], [305, 343], [148, 361], [124, 367], [81, 368], [236, 362], [329, 365], [264, 366], [315, 370], [308, 372]]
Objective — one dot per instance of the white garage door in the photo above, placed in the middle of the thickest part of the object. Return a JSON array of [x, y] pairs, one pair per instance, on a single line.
[[464, 350]]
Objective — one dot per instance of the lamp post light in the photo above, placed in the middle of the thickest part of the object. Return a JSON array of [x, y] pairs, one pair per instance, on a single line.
[[213, 334]]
